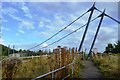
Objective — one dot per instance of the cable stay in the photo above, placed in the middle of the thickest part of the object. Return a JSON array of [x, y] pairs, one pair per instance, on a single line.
[[60, 30], [91, 10], [108, 16], [68, 34]]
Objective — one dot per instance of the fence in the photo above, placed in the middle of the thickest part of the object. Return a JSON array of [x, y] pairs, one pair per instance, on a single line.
[[59, 65], [54, 71], [64, 59]]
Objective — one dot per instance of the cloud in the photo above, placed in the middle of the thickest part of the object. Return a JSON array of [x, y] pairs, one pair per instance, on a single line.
[[15, 17], [44, 34], [10, 13], [21, 31], [26, 10], [41, 24], [26, 24], [17, 34], [45, 19], [25, 46], [4, 20], [1, 41], [9, 10], [3, 28], [44, 44], [107, 29]]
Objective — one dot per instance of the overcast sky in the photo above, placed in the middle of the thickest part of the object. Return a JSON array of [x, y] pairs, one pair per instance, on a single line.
[[25, 24]]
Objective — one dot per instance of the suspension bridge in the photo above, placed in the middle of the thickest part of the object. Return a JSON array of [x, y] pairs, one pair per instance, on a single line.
[[90, 67], [86, 25], [87, 63]]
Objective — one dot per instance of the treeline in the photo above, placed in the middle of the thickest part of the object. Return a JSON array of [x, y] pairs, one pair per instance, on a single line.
[[33, 53], [113, 48], [6, 51]]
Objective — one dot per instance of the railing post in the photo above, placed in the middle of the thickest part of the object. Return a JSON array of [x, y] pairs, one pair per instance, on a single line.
[[73, 51], [53, 76], [72, 70]]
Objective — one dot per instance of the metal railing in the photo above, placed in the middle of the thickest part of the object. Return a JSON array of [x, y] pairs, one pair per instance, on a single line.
[[56, 70]]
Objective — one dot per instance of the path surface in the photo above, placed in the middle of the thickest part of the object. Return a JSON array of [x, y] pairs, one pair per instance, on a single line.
[[90, 71]]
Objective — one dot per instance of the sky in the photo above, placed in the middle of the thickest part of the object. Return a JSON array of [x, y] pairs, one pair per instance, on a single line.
[[26, 24]]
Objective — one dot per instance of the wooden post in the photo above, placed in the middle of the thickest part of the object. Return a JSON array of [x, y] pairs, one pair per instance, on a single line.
[[56, 52], [49, 62], [82, 54], [67, 61], [57, 61], [63, 61], [69, 54], [73, 53], [62, 57], [76, 53]]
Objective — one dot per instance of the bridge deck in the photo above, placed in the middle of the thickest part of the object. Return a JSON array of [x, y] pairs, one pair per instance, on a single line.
[[90, 71]]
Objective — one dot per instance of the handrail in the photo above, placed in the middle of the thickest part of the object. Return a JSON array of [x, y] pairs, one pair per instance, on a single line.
[[53, 72], [66, 77]]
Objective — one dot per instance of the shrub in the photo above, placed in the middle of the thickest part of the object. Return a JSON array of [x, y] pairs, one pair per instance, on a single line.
[[10, 67]]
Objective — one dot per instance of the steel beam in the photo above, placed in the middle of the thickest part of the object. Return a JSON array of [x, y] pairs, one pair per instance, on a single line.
[[102, 15], [91, 9]]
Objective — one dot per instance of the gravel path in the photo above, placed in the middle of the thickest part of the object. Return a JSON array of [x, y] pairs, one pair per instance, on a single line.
[[90, 71]]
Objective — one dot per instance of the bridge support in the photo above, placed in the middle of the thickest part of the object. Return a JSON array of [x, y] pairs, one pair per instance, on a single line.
[[102, 15], [91, 9]]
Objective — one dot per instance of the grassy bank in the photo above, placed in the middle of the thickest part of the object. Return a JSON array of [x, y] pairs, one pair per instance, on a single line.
[[34, 67], [108, 65], [31, 68]]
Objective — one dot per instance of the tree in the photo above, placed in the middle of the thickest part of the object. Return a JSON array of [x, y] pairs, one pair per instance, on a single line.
[[6, 50], [113, 48], [20, 50], [117, 47], [109, 48]]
